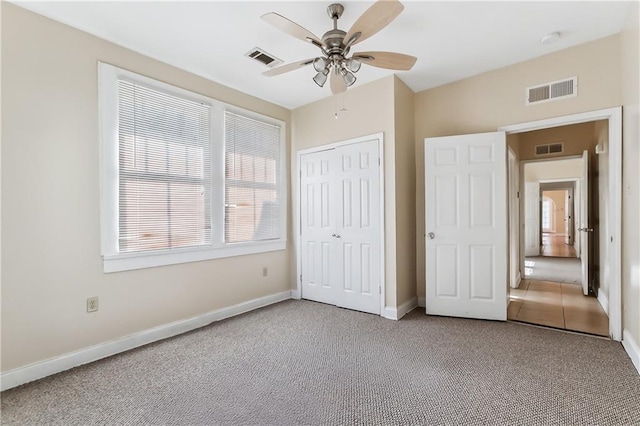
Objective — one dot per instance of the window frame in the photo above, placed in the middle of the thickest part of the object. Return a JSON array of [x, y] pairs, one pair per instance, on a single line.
[[113, 260]]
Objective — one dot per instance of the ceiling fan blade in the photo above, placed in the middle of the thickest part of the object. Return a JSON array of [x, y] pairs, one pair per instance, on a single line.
[[337, 83], [373, 20], [287, 67], [291, 28], [389, 60]]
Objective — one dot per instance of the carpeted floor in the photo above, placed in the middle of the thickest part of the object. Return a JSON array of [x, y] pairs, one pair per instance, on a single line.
[[301, 362], [556, 269]]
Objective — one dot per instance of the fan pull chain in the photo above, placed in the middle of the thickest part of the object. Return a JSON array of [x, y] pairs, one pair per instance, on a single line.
[[344, 108]]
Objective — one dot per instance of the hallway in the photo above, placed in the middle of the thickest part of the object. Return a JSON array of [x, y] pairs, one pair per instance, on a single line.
[[558, 305]]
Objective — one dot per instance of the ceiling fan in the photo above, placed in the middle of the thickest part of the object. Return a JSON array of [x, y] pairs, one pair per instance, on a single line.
[[336, 44]]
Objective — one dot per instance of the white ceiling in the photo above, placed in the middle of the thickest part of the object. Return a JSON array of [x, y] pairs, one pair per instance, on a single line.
[[452, 40]]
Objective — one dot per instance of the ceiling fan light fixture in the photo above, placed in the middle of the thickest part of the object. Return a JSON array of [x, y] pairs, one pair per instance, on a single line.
[[320, 64], [353, 65], [321, 78], [348, 77]]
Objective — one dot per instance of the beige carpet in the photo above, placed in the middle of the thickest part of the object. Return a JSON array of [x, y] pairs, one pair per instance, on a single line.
[[300, 362], [556, 269]]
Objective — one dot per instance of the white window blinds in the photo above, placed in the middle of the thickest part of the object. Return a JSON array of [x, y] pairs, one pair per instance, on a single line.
[[164, 194], [252, 174]]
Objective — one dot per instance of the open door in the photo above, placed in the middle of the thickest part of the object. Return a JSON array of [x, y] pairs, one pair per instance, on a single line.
[[532, 218], [585, 231], [466, 225]]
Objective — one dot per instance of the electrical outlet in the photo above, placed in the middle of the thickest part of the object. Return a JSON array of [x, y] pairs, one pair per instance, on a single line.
[[92, 304], [264, 271]]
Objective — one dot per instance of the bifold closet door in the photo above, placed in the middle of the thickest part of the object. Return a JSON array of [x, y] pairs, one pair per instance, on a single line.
[[340, 224]]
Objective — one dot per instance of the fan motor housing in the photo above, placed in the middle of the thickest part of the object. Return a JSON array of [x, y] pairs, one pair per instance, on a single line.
[[333, 41]]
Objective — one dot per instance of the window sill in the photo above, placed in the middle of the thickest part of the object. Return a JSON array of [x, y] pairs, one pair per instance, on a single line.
[[129, 262]]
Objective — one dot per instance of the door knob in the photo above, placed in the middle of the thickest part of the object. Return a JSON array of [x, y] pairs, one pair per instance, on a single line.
[[431, 235]]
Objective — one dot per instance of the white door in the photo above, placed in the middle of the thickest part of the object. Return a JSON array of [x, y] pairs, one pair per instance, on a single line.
[[514, 221], [341, 232], [532, 218], [466, 225], [318, 255], [584, 229]]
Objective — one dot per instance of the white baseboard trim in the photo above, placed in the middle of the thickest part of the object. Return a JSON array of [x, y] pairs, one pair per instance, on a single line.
[[295, 294], [402, 310], [422, 302], [604, 301], [39, 370], [632, 348]]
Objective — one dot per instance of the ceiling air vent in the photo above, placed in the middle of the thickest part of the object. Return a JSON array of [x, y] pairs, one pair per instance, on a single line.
[[263, 57], [552, 148], [552, 91]]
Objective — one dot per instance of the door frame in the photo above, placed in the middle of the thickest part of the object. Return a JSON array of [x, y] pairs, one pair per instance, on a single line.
[[297, 212], [568, 185], [513, 203], [614, 118]]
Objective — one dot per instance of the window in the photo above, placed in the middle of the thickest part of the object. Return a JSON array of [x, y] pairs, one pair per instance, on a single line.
[[185, 177]]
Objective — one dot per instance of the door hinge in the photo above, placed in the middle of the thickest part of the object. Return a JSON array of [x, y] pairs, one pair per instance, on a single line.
[[378, 161], [300, 277], [379, 290]]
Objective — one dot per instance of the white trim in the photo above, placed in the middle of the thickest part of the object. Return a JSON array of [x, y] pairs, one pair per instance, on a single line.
[[614, 116], [70, 360], [422, 302], [604, 301], [404, 309], [128, 262], [632, 348], [297, 213]]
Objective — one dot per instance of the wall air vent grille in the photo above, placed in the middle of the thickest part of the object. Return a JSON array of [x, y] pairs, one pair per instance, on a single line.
[[552, 148], [552, 91], [263, 57]]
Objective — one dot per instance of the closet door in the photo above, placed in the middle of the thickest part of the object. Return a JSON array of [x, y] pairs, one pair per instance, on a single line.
[[318, 213], [341, 226], [358, 223]]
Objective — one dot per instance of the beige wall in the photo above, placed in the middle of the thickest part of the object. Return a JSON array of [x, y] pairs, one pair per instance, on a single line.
[[630, 75], [576, 138], [405, 193], [370, 109], [496, 98], [555, 169], [50, 191]]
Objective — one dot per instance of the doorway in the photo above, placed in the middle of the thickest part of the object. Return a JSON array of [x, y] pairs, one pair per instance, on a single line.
[[554, 291], [561, 234]]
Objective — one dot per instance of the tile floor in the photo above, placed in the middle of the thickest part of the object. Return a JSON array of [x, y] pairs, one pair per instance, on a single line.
[[554, 245], [557, 305]]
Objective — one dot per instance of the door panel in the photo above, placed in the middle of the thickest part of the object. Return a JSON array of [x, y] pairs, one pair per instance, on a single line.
[[466, 223], [341, 226], [319, 259], [359, 226]]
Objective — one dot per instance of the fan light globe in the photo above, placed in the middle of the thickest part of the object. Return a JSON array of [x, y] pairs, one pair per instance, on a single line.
[[353, 65], [320, 63], [321, 77], [348, 77]]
